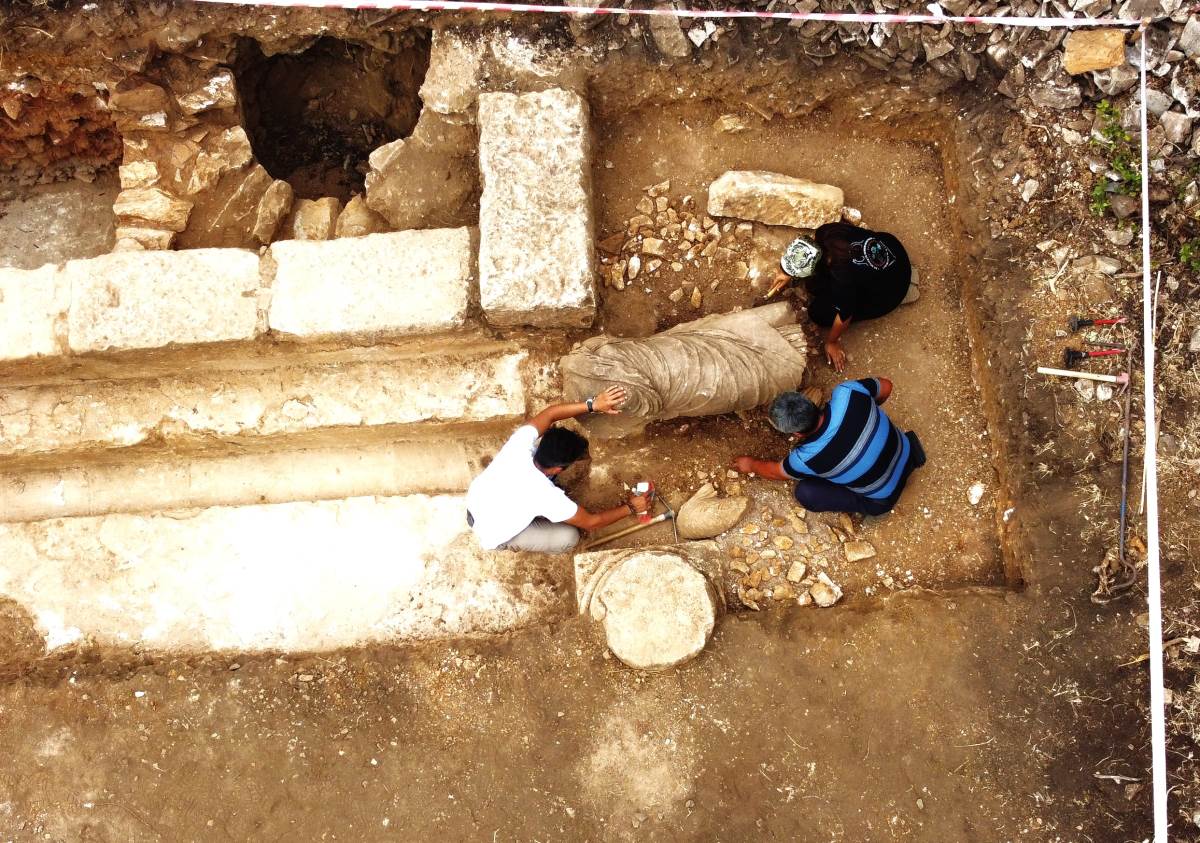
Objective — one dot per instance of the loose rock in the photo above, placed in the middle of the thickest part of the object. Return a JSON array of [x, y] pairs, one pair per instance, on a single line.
[[774, 199]]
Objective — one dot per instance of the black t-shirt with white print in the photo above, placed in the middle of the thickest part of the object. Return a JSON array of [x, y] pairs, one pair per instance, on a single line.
[[862, 274]]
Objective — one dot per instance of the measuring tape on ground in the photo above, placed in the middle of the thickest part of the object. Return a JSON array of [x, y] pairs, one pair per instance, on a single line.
[[936, 16]]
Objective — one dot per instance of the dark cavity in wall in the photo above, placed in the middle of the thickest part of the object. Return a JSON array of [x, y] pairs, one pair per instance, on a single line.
[[314, 117]]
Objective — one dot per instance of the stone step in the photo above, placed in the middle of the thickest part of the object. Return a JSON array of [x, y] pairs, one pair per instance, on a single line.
[[384, 460], [303, 576], [379, 285], [268, 397]]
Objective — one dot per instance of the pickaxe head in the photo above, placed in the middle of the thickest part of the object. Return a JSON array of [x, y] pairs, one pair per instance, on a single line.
[[1072, 356], [1075, 323]]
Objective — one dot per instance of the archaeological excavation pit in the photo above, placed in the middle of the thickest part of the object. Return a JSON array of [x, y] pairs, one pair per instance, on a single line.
[[315, 116], [902, 174]]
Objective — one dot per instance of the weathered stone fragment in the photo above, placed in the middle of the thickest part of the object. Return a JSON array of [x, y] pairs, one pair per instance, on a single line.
[[1176, 127], [154, 206], [536, 259], [658, 608], [230, 152], [774, 199], [357, 220], [397, 283], [825, 592], [131, 300], [32, 303], [138, 174], [218, 92], [314, 219], [453, 78], [668, 35], [1093, 49], [427, 179], [230, 210], [146, 238], [705, 515], [142, 99], [1189, 39], [276, 203], [856, 551]]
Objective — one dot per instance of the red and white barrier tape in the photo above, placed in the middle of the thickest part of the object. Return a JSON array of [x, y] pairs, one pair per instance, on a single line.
[[715, 14]]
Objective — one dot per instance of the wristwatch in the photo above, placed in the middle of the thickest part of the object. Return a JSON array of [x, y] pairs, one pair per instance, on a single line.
[[590, 402]]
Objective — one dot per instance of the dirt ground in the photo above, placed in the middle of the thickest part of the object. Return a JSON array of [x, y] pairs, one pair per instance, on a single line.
[[935, 537], [958, 713]]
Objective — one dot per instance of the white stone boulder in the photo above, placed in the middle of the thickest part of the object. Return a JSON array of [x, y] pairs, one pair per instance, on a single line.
[[130, 300], [658, 605], [32, 303], [315, 219], [774, 199], [536, 259], [401, 282], [154, 207]]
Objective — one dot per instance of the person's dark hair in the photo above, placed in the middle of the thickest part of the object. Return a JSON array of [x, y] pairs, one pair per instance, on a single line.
[[559, 448], [791, 412]]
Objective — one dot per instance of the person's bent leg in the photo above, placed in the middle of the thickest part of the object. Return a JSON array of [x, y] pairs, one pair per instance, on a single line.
[[817, 495], [544, 536]]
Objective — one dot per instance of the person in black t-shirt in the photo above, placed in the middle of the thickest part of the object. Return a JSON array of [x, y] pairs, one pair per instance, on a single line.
[[850, 273]]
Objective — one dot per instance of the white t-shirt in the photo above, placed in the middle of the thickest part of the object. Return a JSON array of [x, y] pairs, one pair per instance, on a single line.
[[511, 492]]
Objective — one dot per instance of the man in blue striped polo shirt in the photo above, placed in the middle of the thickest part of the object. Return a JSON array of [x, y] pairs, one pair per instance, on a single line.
[[849, 457]]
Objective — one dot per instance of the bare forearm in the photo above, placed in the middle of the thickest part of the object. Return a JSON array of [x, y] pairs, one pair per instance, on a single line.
[[837, 329], [544, 420], [592, 521]]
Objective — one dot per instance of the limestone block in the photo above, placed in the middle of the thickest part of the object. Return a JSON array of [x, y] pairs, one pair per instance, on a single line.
[[315, 219], [276, 203], [536, 259], [357, 220], [138, 174], [1093, 49], [335, 390], [453, 78], [32, 303], [229, 212], [774, 199], [658, 605], [395, 283], [154, 206], [142, 99], [146, 238], [427, 178], [218, 92], [231, 151], [132, 300], [297, 577], [668, 35]]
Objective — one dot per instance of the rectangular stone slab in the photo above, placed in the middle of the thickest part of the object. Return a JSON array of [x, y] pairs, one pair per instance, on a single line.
[[293, 577], [131, 300], [404, 282], [32, 304], [339, 390], [536, 258], [774, 199]]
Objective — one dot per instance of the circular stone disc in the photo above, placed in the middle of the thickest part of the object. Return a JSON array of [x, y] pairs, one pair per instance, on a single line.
[[659, 611]]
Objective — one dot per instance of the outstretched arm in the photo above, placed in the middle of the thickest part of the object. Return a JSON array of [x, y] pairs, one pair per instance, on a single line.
[[763, 468], [590, 521], [609, 401]]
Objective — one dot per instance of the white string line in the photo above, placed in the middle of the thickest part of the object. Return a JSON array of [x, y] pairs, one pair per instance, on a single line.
[[1158, 731], [714, 14]]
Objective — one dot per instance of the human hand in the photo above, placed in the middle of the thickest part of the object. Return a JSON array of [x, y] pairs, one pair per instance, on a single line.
[[610, 400], [640, 503], [745, 465], [835, 355]]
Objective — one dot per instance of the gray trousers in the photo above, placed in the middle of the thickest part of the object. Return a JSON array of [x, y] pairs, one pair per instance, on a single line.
[[543, 536]]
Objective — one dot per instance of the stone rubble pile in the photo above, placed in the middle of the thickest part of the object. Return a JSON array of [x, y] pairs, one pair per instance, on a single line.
[[668, 234]]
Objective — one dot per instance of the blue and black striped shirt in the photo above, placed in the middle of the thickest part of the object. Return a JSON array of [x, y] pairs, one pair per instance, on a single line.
[[855, 445]]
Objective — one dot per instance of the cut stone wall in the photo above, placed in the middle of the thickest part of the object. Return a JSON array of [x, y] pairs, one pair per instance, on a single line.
[[536, 259], [291, 577], [396, 283]]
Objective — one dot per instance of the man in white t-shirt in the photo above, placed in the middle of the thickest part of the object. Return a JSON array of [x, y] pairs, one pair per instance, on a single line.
[[514, 503]]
